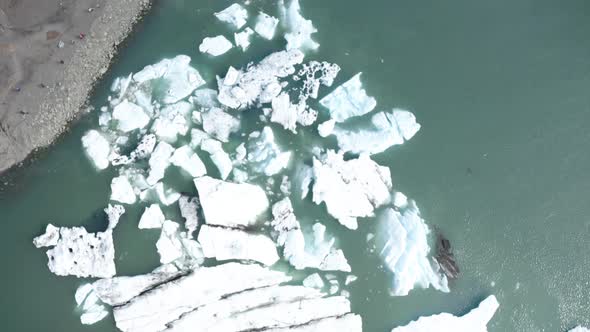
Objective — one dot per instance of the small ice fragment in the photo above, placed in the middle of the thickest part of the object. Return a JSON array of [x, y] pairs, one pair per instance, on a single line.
[[298, 29], [130, 116], [215, 46], [400, 200], [219, 157], [474, 321], [325, 129], [159, 162], [266, 25], [224, 243], [49, 238], [348, 100], [334, 287], [231, 77], [219, 124], [314, 281], [97, 148], [350, 279], [234, 15], [152, 217], [247, 201], [114, 213], [185, 158], [92, 310], [122, 191], [104, 119], [242, 38], [169, 245]]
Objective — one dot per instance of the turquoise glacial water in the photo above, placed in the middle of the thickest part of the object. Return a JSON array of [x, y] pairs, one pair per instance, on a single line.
[[501, 89]]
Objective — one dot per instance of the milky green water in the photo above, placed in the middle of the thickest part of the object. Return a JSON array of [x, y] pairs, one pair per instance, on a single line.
[[501, 89]]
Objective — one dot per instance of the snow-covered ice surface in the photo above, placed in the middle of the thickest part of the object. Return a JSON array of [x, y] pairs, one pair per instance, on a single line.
[[474, 321]]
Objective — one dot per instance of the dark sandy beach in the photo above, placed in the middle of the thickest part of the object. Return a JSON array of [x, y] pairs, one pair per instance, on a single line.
[[51, 53]]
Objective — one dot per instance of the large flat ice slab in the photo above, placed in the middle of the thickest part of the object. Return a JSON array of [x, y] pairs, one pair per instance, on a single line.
[[234, 15], [579, 329], [223, 243], [345, 323], [152, 217], [403, 245], [349, 100], [230, 204], [352, 188], [215, 46], [475, 321]]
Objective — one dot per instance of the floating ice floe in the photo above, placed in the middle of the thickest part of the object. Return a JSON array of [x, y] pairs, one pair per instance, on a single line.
[[172, 121], [218, 156], [248, 202], [266, 25], [176, 247], [314, 281], [122, 191], [176, 74], [114, 213], [152, 217], [130, 116], [185, 158], [318, 253], [579, 329], [92, 310], [215, 46], [348, 100], [289, 114], [352, 188], [188, 209], [97, 148], [159, 162], [158, 193], [264, 156], [223, 243], [385, 129], [219, 124], [474, 321], [242, 38], [234, 15], [403, 245], [325, 129], [47, 239], [298, 29]]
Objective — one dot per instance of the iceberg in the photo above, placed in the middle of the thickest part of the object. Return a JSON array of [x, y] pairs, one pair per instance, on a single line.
[[97, 148], [159, 162], [152, 217], [352, 188], [298, 29], [219, 124], [242, 38], [188, 210], [130, 116], [266, 25], [348, 100], [234, 15], [114, 213], [172, 121], [49, 238], [313, 281], [223, 243], [385, 129], [215, 46], [264, 156], [185, 158], [219, 157], [248, 202], [403, 243], [474, 321], [122, 191]]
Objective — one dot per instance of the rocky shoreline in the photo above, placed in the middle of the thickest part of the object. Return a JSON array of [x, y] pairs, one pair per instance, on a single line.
[[51, 55]]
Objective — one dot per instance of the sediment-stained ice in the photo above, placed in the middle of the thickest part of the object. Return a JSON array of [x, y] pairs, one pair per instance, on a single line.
[[352, 188], [185, 158], [248, 202], [403, 246], [474, 321], [152, 217], [218, 156], [224, 243], [298, 29], [266, 25], [159, 162], [129, 116], [122, 191], [97, 148], [215, 46], [242, 38], [219, 124], [348, 100], [234, 15], [264, 156]]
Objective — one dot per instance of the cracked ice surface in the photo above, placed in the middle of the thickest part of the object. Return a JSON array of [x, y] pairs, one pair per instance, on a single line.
[[405, 251], [349, 100], [234, 15], [474, 321], [352, 188]]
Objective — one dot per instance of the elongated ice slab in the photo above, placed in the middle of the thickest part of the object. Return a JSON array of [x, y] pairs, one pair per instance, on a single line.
[[403, 245], [172, 121], [97, 148], [349, 100], [188, 209], [474, 321], [114, 213], [92, 310], [234, 15], [215, 46]]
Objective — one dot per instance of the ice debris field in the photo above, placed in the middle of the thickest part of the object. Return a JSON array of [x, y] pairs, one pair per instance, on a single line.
[[243, 218]]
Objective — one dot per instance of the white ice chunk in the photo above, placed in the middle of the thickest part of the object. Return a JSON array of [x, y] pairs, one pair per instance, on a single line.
[[152, 217], [130, 116], [166, 196], [298, 29], [219, 157], [352, 188], [399, 200], [185, 158], [172, 121], [188, 209], [92, 310], [264, 156], [247, 201], [197, 137], [385, 129], [348, 100], [342, 323], [350, 279], [114, 213], [579, 329], [234, 15], [325, 129], [49, 238], [97, 148], [159, 162], [304, 176], [169, 245], [266, 25], [224, 243], [314, 281], [152, 310], [242, 38], [403, 245], [284, 112], [231, 77], [215, 46], [122, 191], [474, 321], [219, 124], [205, 98]]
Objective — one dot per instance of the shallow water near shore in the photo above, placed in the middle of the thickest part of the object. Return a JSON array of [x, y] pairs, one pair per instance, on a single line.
[[499, 166]]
